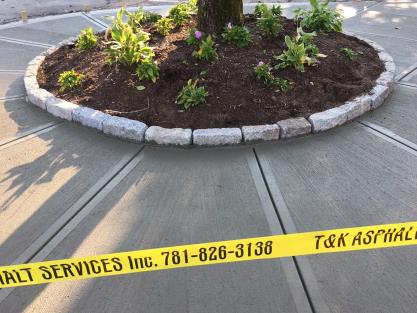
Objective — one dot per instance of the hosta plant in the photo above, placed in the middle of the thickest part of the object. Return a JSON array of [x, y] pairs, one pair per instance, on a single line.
[[148, 70], [165, 25], [69, 80], [237, 35], [320, 17], [180, 13], [300, 52], [206, 50], [86, 40], [140, 17], [191, 95], [126, 46]]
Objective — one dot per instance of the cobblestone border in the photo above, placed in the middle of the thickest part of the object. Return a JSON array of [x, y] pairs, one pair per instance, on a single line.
[[139, 132]]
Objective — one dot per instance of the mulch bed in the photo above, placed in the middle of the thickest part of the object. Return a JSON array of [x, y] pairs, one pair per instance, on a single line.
[[235, 98]]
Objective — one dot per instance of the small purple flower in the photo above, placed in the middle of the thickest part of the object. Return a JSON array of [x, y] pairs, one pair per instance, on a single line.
[[260, 64], [198, 34], [229, 25]]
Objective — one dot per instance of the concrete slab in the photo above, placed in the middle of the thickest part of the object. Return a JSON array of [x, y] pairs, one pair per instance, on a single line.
[[398, 114], [106, 16], [403, 51], [44, 176], [349, 9], [11, 85], [349, 177], [404, 8], [49, 32], [15, 56], [17, 116], [381, 23], [170, 199]]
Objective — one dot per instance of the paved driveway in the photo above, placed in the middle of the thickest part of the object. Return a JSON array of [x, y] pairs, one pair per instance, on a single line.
[[68, 191]]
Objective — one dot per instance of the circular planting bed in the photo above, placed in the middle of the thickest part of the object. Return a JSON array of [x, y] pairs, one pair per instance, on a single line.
[[246, 89]]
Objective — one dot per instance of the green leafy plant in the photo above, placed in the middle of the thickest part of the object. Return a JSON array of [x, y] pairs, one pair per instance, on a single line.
[[126, 46], [180, 13], [69, 80], [349, 53], [237, 35], [194, 37], [276, 10], [260, 8], [191, 95], [140, 17], [300, 51], [165, 25], [193, 6], [86, 40], [148, 70], [307, 39], [149, 17], [320, 17], [263, 73], [206, 50], [269, 24]]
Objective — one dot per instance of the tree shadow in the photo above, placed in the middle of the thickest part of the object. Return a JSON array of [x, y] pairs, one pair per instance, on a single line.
[[169, 199]]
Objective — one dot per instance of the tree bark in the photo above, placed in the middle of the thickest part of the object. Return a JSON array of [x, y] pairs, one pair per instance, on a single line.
[[213, 15]]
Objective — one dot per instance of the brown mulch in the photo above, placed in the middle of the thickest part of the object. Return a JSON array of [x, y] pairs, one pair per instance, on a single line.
[[235, 98]]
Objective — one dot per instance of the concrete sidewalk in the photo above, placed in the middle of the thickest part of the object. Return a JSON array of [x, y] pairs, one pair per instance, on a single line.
[[68, 191]]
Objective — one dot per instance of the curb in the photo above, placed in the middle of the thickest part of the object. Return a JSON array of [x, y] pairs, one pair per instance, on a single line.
[[136, 131]]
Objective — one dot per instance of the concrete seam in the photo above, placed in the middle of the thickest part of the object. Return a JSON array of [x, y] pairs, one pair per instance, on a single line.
[[302, 263], [390, 136], [406, 72], [297, 289], [25, 42], [93, 20], [4, 144], [407, 84], [16, 97]]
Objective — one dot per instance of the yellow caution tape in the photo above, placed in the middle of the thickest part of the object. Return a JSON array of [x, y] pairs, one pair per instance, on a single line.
[[271, 247]]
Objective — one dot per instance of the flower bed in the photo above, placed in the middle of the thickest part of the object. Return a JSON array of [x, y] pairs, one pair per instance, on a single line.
[[244, 83]]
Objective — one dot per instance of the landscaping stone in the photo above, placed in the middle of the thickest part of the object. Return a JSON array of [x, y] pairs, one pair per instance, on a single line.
[[260, 133], [60, 108], [68, 41], [89, 117], [385, 57], [125, 128], [33, 66], [30, 82], [357, 107], [168, 136], [378, 94], [390, 67], [217, 136], [328, 119], [294, 127], [50, 50], [386, 79], [38, 97]]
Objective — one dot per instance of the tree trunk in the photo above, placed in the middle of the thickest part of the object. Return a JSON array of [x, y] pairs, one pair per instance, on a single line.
[[213, 15]]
